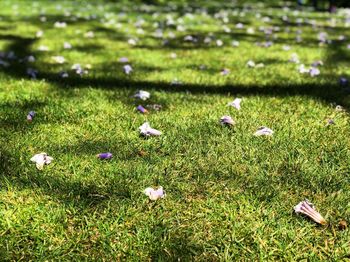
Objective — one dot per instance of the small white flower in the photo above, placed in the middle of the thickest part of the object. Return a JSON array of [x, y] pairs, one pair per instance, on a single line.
[[302, 69], [225, 71], [154, 194], [39, 34], [180, 28], [89, 34], [219, 42], [235, 43], [63, 74], [41, 159], [317, 63], [339, 108], [250, 31], [294, 58], [175, 81], [227, 120], [286, 47], [140, 31], [30, 116], [226, 29], [341, 37], [239, 26], [76, 67], [250, 63], [43, 48], [67, 45], [143, 95], [322, 36], [30, 59], [207, 40], [188, 38], [58, 59], [123, 60], [305, 207], [60, 24], [127, 69], [263, 131], [132, 41], [314, 71], [79, 70], [147, 130], [236, 103]]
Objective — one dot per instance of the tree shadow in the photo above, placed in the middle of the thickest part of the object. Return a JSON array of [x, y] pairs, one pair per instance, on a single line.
[[81, 193], [88, 193]]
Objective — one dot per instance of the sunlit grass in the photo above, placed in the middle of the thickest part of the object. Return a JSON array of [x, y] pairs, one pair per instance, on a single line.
[[230, 195]]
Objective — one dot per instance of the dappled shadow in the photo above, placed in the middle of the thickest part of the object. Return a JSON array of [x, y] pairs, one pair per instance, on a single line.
[[89, 193], [9, 119], [176, 248], [81, 193], [88, 48], [328, 91]]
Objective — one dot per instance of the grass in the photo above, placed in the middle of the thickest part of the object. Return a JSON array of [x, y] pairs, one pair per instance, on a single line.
[[230, 195]]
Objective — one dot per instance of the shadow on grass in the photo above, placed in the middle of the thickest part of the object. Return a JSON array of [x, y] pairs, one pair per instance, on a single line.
[[81, 193], [327, 92]]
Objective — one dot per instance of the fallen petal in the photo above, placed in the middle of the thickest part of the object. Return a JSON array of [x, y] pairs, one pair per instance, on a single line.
[[339, 108], [330, 122], [236, 103], [127, 69], [225, 71], [105, 155], [314, 71], [41, 159], [263, 131], [58, 59], [30, 116], [250, 63], [227, 120], [343, 81], [123, 60], [305, 207], [143, 95], [154, 194], [147, 130], [142, 109]]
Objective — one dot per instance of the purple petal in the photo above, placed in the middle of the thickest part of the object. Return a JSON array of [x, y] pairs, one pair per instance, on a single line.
[[105, 155], [343, 81], [30, 115], [142, 109]]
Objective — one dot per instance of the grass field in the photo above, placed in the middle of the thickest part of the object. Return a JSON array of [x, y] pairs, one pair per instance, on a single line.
[[229, 194]]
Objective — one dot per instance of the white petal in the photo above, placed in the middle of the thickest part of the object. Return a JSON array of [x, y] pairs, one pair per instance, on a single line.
[[146, 130], [148, 191], [236, 103], [154, 194], [263, 131], [39, 166], [143, 95], [41, 159]]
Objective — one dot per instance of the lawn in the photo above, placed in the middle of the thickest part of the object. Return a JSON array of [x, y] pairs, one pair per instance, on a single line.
[[229, 194]]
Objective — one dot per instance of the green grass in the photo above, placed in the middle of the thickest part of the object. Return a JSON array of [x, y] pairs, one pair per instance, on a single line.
[[230, 195]]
